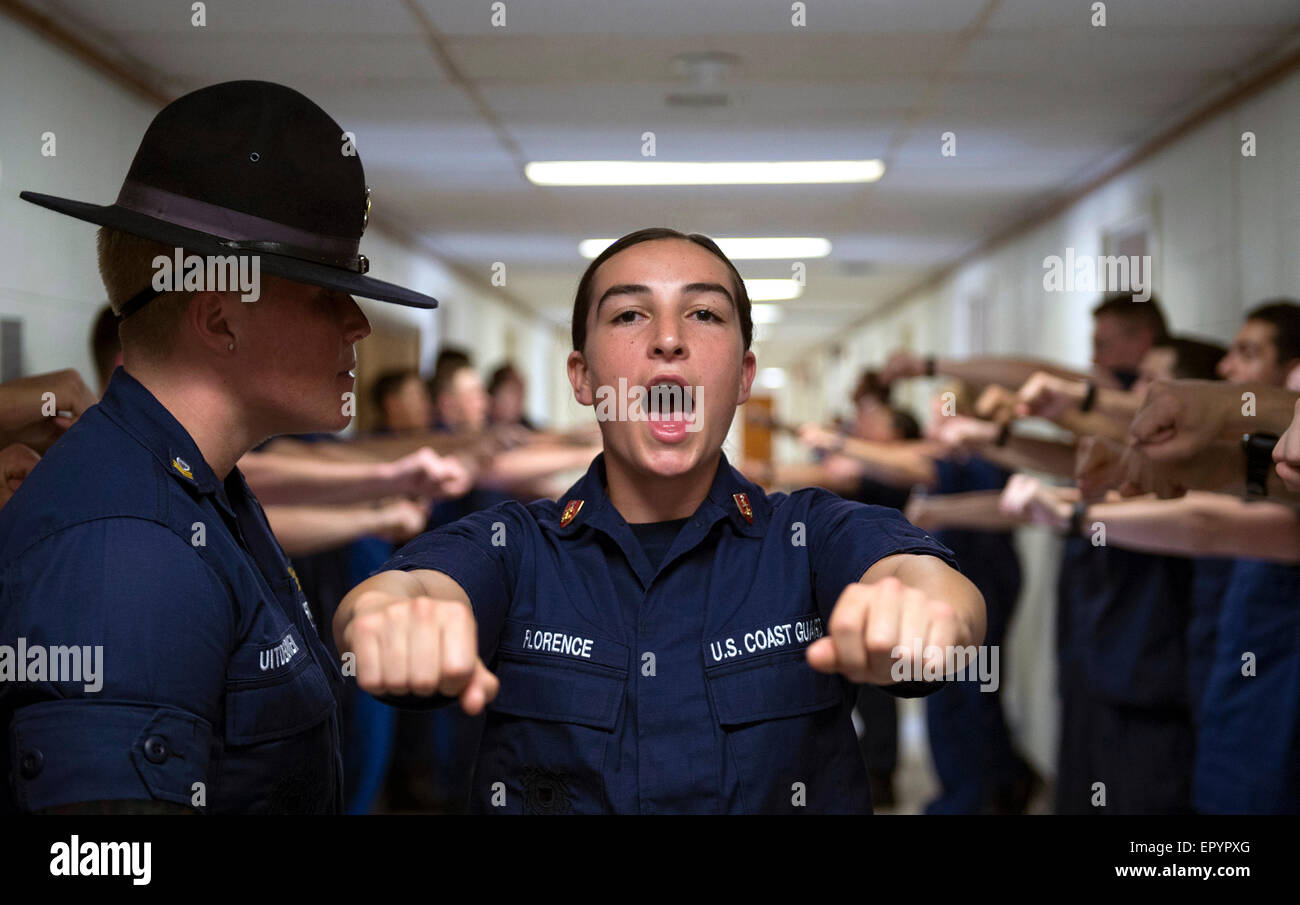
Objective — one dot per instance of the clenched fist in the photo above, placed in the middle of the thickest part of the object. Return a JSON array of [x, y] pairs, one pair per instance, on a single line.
[[871, 622], [997, 403], [1287, 453], [425, 473], [417, 645], [16, 463], [1099, 465], [1048, 396], [36, 410]]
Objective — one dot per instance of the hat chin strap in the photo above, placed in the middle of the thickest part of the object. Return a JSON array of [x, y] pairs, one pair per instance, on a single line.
[[138, 301], [357, 263]]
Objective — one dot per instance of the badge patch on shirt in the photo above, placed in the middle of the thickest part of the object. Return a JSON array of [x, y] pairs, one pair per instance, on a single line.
[[279, 655], [570, 512], [770, 637], [546, 792], [183, 467], [742, 503]]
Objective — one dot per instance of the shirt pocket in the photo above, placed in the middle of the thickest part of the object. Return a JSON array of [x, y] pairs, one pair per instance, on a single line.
[[551, 723], [277, 707], [788, 735], [280, 743]]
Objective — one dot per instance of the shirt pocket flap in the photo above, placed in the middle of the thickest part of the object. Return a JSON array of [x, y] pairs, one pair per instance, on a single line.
[[768, 688], [77, 750], [560, 691], [281, 705]]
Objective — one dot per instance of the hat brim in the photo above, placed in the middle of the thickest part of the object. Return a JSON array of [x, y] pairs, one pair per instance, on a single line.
[[128, 221]]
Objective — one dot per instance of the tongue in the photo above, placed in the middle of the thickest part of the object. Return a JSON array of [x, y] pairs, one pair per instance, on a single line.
[[669, 427]]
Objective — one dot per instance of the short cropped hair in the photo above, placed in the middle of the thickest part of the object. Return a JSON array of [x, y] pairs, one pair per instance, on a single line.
[[1283, 314], [1135, 313], [1195, 359], [869, 384], [905, 424], [451, 361], [506, 373], [389, 383], [126, 267]]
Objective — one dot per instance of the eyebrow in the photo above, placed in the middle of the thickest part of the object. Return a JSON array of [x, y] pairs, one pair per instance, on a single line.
[[640, 289]]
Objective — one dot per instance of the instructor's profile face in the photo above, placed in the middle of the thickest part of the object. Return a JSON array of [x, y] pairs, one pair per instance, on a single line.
[[664, 310], [298, 343]]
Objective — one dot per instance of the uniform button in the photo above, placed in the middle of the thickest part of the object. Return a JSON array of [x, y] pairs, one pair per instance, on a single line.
[[32, 763], [155, 749]]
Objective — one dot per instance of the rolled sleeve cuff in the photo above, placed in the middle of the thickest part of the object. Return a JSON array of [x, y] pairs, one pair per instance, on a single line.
[[457, 557]]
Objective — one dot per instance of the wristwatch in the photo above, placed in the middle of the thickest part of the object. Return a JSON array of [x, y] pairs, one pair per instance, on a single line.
[[1078, 512], [1258, 450], [1089, 397]]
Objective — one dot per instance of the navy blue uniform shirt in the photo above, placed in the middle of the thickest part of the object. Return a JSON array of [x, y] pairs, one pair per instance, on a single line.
[[683, 688], [1248, 747], [1124, 623], [123, 539]]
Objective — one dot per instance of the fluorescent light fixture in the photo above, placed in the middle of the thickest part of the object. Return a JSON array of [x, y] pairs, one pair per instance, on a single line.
[[772, 248], [765, 314], [773, 290], [664, 172], [771, 378]]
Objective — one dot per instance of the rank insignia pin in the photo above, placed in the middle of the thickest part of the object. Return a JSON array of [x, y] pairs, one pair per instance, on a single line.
[[742, 503], [570, 512], [183, 467]]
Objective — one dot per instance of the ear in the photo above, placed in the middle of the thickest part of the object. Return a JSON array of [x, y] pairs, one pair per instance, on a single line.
[[208, 319], [580, 378], [748, 367]]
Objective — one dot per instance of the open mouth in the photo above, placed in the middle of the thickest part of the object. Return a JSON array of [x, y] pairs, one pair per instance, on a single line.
[[671, 408], [667, 398]]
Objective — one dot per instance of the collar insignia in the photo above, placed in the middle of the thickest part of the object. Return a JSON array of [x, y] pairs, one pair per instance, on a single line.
[[742, 503], [183, 467], [570, 512]]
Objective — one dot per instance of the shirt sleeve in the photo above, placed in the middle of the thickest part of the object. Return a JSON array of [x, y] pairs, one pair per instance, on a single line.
[[480, 552], [121, 633], [846, 538], [947, 476]]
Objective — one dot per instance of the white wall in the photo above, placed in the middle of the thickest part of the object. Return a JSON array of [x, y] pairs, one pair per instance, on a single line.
[[1228, 236], [48, 275]]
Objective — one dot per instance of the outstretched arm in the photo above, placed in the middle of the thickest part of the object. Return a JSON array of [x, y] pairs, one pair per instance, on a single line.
[[902, 604]]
